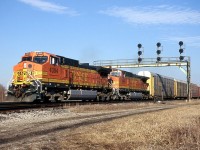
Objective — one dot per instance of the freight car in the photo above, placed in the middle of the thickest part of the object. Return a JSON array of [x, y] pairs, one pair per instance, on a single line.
[[168, 88], [159, 86], [194, 91], [41, 76], [180, 89]]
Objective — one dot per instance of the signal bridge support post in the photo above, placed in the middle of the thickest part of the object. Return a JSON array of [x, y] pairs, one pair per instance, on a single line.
[[188, 80]]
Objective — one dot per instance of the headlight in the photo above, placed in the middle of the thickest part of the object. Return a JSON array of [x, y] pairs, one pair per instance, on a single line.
[[24, 65], [29, 66]]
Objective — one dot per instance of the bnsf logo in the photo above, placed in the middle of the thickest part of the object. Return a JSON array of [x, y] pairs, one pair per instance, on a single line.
[[24, 73], [54, 70]]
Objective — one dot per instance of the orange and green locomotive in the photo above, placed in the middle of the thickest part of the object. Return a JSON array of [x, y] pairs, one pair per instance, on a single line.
[[41, 76]]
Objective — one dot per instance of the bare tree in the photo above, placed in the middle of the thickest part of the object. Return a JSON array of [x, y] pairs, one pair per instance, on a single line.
[[2, 93]]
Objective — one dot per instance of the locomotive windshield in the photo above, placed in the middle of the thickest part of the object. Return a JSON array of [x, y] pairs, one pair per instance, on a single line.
[[26, 58], [40, 59], [115, 73]]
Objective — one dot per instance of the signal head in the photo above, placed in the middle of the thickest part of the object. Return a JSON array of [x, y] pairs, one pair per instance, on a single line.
[[158, 58], [180, 50], [158, 44], [158, 52], [139, 45], [139, 59], [181, 43], [181, 58], [139, 53]]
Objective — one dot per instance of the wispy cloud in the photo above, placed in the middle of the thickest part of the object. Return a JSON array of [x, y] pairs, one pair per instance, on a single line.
[[51, 7], [162, 14], [192, 41]]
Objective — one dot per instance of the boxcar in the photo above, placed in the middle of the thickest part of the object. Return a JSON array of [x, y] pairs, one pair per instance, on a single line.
[[159, 86], [180, 89], [194, 91]]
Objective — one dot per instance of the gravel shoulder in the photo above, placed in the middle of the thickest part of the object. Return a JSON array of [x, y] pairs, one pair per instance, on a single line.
[[43, 127]]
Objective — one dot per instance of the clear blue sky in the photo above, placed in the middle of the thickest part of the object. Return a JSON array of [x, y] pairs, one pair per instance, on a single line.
[[90, 30]]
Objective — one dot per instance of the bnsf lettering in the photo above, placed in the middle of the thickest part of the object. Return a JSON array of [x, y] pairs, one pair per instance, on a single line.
[[19, 73], [24, 73], [54, 70]]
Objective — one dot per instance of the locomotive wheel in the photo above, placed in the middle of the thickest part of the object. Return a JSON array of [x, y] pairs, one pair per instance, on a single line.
[[56, 98], [11, 98], [113, 97], [102, 98], [46, 99], [29, 98], [108, 98]]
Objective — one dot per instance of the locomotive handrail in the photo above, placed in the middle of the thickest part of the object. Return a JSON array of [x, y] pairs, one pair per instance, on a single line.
[[36, 81]]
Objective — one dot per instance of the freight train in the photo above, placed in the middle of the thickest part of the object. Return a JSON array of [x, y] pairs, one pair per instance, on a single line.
[[41, 76]]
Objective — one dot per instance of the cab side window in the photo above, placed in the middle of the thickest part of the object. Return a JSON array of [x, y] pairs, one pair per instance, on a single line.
[[54, 61]]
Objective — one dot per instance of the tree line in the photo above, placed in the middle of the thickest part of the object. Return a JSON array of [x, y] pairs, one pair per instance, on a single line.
[[2, 93]]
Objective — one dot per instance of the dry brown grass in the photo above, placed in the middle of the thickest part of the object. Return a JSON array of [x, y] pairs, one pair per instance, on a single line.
[[109, 107], [169, 129]]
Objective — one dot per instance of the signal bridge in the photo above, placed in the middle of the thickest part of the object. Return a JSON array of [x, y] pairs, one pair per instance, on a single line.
[[146, 62], [182, 61]]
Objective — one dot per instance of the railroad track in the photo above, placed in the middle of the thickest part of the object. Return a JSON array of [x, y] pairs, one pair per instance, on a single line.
[[19, 106], [6, 107]]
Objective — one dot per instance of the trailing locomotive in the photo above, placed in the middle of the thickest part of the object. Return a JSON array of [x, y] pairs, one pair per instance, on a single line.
[[41, 76]]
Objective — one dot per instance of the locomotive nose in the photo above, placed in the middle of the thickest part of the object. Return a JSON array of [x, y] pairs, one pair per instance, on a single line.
[[23, 73]]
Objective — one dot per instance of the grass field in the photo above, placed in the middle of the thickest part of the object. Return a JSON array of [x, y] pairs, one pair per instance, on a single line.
[[177, 128]]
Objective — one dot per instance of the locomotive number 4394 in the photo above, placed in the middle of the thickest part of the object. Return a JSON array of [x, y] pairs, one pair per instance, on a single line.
[[53, 70]]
